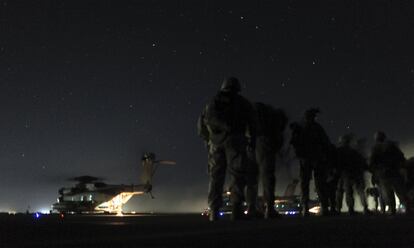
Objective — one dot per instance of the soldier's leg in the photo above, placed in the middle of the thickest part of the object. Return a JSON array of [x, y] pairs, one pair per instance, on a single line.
[[267, 163], [333, 188], [378, 199], [266, 159], [252, 184], [381, 202], [339, 194], [305, 176], [360, 188], [401, 191], [387, 194], [349, 194], [376, 202], [217, 172], [321, 187], [237, 162]]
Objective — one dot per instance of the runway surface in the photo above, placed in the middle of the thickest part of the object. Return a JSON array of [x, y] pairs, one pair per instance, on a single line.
[[195, 231]]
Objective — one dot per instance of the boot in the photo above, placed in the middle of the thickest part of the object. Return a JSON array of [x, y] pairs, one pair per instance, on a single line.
[[367, 211], [237, 214], [270, 212], [214, 215], [252, 213], [305, 211]]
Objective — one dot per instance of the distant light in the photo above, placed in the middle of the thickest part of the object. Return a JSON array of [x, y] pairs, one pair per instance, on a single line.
[[315, 210], [37, 215], [62, 216], [246, 212], [221, 213], [44, 211]]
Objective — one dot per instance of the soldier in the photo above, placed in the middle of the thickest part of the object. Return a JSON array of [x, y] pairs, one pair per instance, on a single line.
[[351, 165], [269, 131], [227, 126], [385, 162], [312, 146]]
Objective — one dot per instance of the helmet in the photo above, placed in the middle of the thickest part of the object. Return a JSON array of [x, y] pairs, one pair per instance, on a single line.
[[380, 136], [231, 84], [311, 113], [346, 139]]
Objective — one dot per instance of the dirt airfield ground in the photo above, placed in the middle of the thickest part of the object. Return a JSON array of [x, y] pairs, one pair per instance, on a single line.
[[195, 231]]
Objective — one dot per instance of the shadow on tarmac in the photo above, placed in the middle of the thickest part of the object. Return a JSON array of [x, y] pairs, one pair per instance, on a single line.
[[195, 231]]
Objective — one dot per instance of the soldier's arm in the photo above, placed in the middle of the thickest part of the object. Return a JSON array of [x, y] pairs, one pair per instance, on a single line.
[[251, 123], [373, 158], [202, 128], [324, 137], [399, 154]]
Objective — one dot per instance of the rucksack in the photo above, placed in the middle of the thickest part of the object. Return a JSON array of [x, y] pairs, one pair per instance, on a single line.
[[297, 139], [219, 114]]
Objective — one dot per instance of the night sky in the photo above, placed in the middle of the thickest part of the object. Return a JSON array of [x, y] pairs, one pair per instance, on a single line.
[[87, 86]]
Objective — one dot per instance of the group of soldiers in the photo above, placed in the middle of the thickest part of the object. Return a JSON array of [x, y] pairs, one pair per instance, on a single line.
[[243, 139]]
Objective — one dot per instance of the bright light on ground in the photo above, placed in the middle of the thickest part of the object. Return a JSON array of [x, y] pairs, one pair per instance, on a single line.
[[44, 211]]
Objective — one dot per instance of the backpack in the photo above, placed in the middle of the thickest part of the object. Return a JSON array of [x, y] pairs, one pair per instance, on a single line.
[[220, 114], [297, 139]]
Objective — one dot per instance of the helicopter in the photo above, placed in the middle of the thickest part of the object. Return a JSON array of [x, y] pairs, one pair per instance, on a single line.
[[90, 195]]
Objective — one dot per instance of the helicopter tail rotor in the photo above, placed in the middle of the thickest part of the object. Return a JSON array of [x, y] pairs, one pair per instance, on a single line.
[[150, 166]]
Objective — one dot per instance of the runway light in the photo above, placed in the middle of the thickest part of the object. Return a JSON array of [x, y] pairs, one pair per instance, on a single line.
[[62, 216], [221, 213], [37, 215], [246, 212]]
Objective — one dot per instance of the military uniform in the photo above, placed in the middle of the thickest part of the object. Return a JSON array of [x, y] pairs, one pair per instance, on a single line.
[[269, 131], [385, 162], [351, 166], [312, 147], [227, 126]]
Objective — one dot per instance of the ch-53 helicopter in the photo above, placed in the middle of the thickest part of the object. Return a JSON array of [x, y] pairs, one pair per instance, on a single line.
[[92, 195]]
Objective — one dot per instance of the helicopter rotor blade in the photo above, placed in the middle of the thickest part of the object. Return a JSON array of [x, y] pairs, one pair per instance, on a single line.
[[166, 162]]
